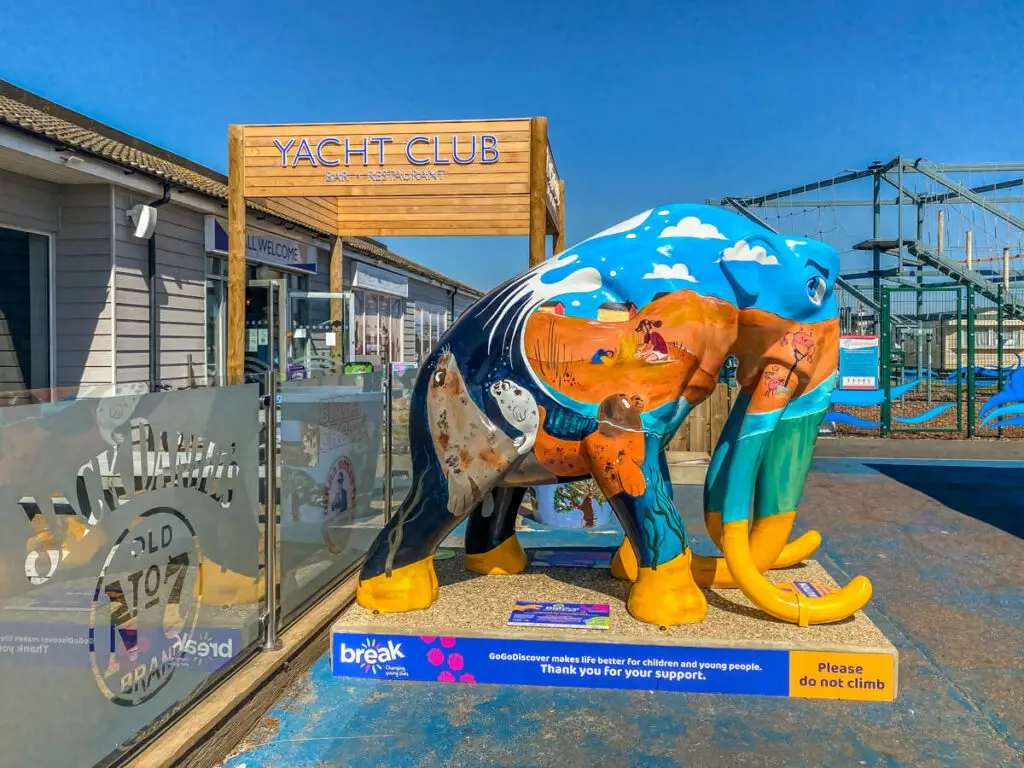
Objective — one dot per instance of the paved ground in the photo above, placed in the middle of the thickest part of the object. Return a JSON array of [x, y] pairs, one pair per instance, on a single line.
[[943, 543]]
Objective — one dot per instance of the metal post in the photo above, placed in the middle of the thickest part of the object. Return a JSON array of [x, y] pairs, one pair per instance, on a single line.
[[959, 358], [928, 382], [999, 346], [876, 253], [899, 216], [388, 401], [970, 362], [886, 334], [920, 267], [270, 639]]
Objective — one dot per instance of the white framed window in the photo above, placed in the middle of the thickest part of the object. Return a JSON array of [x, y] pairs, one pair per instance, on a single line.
[[377, 326], [430, 323]]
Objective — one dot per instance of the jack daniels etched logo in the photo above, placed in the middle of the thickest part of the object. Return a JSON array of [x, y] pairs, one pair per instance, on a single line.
[[146, 603]]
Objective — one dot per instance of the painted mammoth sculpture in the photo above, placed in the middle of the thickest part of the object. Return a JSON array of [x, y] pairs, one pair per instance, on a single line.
[[586, 366]]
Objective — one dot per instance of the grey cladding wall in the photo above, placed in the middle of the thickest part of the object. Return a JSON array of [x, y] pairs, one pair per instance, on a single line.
[[82, 287], [180, 296], [28, 203]]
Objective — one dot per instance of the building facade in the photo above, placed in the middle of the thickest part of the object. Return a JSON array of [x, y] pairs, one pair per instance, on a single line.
[[90, 303]]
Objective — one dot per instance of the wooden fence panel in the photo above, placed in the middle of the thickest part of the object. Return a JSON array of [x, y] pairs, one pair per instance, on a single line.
[[704, 425]]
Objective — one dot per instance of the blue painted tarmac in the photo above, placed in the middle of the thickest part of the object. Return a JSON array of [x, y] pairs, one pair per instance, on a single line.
[[943, 543]]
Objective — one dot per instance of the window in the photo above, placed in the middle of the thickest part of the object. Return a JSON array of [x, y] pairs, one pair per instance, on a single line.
[[985, 338], [431, 323], [378, 325], [24, 313]]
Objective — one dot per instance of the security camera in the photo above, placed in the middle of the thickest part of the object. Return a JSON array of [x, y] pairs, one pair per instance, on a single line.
[[144, 219]]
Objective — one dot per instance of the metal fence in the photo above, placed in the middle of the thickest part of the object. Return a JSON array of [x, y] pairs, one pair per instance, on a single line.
[[949, 363]]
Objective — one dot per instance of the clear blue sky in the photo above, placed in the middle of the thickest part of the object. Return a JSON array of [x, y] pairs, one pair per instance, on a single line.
[[673, 102]]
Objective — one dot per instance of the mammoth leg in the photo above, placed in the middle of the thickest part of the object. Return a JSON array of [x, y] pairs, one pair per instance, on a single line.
[[664, 591], [787, 455], [398, 574], [767, 530], [491, 544], [741, 467]]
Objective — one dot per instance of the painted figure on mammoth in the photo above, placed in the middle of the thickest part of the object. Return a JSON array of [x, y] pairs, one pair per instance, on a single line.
[[512, 398]]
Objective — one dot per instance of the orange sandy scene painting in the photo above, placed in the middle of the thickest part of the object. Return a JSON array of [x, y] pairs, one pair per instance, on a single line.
[[681, 337]]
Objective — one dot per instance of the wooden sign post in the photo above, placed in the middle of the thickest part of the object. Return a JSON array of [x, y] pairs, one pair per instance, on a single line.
[[484, 177]]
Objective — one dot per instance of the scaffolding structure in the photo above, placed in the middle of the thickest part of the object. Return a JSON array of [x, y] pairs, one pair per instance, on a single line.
[[944, 288]]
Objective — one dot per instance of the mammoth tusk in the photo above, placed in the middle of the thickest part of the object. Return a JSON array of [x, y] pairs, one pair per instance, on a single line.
[[787, 606]]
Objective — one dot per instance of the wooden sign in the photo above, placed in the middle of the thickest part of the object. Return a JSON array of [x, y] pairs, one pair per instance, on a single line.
[[391, 179]]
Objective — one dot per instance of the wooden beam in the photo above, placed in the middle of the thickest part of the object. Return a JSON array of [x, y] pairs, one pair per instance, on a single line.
[[337, 260], [941, 227], [970, 248], [560, 237], [236, 255], [538, 189]]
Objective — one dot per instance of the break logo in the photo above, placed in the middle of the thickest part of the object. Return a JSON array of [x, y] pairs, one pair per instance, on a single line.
[[370, 655]]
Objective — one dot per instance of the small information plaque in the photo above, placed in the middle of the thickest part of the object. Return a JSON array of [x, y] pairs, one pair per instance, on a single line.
[[571, 615]]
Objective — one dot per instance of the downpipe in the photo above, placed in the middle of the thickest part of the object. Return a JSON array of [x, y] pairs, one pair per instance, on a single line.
[[154, 384]]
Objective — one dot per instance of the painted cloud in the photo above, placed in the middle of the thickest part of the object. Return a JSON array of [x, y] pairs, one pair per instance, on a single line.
[[691, 226], [743, 252], [675, 272]]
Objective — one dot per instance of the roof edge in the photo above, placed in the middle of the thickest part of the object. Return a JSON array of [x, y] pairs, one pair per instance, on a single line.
[[19, 94]]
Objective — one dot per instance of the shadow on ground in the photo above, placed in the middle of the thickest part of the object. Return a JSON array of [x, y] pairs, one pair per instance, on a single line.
[[992, 495]]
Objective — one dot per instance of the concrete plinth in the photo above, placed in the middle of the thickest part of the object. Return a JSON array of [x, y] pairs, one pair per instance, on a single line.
[[465, 637]]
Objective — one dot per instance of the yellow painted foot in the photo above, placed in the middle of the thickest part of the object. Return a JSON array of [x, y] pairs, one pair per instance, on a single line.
[[506, 558], [220, 586], [409, 588], [712, 572], [624, 564], [667, 595]]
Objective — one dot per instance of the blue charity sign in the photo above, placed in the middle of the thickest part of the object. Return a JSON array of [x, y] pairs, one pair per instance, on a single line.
[[858, 362], [560, 663], [578, 615]]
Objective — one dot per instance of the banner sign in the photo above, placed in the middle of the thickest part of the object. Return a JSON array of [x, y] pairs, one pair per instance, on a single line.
[[379, 280], [572, 615], [262, 247], [764, 672], [858, 362]]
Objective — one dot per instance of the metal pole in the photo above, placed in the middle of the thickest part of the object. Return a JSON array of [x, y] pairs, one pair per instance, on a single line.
[[999, 346], [876, 253], [270, 640], [388, 403], [920, 269], [899, 216], [970, 362], [886, 354], [928, 383]]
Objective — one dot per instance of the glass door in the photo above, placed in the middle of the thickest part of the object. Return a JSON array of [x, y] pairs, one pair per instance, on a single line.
[[319, 333], [266, 323]]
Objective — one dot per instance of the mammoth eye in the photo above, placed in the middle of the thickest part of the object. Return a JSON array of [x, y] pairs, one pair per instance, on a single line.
[[816, 290]]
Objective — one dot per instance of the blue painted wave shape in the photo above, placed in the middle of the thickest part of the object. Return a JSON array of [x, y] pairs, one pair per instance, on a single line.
[[1004, 409]]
